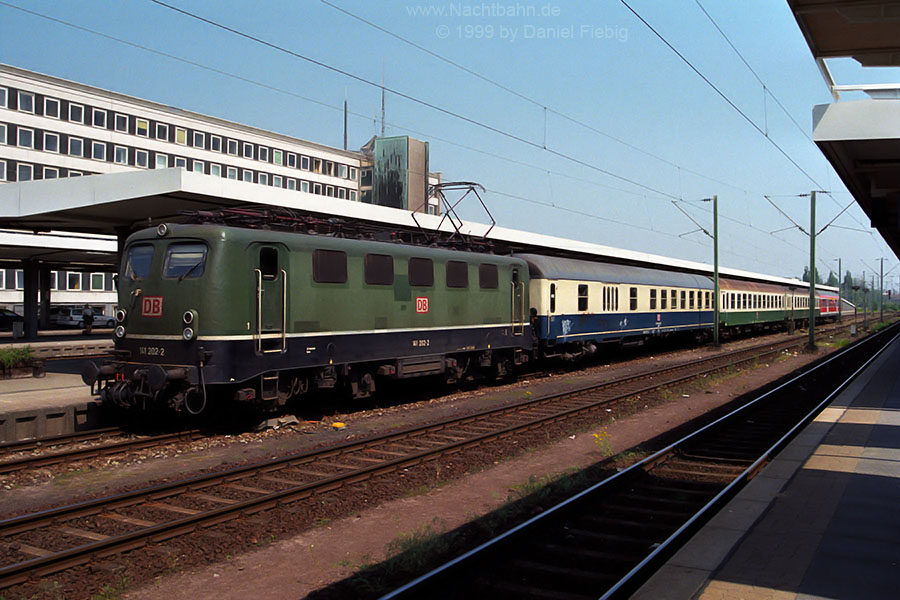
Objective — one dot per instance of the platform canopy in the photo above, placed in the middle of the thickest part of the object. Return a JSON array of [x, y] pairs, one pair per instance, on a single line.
[[860, 138], [117, 203]]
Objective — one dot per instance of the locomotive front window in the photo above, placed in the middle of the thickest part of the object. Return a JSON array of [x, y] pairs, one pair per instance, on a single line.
[[184, 261], [137, 265]]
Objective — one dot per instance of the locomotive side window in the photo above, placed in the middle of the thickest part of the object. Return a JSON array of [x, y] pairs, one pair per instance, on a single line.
[[329, 266], [268, 263], [421, 272], [185, 260], [582, 297], [487, 277], [379, 269], [137, 265], [457, 274]]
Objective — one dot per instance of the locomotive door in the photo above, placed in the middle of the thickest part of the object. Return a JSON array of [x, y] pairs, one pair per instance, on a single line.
[[518, 303], [271, 299]]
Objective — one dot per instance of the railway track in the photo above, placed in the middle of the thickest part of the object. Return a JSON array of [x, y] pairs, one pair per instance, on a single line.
[[38, 544], [605, 541]]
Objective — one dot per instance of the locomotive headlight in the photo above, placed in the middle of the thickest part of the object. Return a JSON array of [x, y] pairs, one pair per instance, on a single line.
[[187, 334], [189, 316], [120, 315], [120, 331]]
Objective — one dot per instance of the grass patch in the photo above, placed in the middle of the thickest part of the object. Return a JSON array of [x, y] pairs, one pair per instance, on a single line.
[[113, 592], [15, 357]]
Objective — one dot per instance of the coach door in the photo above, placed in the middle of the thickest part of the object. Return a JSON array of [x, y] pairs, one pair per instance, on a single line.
[[271, 299], [518, 303]]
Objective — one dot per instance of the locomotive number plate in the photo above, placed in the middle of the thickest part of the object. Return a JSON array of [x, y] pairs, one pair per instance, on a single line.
[[151, 306], [151, 351]]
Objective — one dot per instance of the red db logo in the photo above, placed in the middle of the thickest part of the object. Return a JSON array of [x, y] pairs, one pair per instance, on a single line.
[[151, 306], [421, 304]]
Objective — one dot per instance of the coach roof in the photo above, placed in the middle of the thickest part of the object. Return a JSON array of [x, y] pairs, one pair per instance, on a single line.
[[549, 267]]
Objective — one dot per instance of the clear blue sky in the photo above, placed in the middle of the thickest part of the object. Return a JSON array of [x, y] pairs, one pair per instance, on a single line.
[[657, 130]]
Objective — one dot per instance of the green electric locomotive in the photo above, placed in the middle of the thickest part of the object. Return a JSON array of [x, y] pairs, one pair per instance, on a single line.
[[210, 311]]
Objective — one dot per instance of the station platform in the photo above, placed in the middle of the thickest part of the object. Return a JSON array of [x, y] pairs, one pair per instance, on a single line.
[[821, 521], [35, 407]]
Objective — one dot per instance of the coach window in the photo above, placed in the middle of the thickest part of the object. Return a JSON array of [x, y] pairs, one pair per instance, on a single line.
[[137, 263], [488, 278], [692, 299], [552, 297], [268, 263], [379, 269], [633, 300], [652, 299], [457, 273], [674, 299], [663, 299], [329, 266], [708, 294], [185, 260], [684, 300], [582, 297]]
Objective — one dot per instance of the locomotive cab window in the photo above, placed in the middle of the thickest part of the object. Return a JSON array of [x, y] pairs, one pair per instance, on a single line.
[[185, 260], [137, 264], [421, 272], [268, 263], [329, 266], [487, 277], [379, 269], [457, 274]]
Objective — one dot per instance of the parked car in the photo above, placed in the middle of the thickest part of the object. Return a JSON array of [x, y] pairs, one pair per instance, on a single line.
[[8, 317], [66, 316]]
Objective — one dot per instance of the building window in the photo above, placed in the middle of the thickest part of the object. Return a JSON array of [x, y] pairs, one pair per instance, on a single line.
[[120, 155], [97, 281], [24, 172], [162, 161], [292, 160], [292, 184], [2, 176], [353, 173], [142, 127], [457, 274], [277, 157], [317, 188], [342, 193], [142, 158], [73, 281], [25, 138], [304, 163], [2, 133], [263, 179], [420, 272], [263, 154], [232, 147], [197, 167], [26, 102], [215, 170], [248, 175], [304, 186], [199, 140], [329, 266], [317, 165], [98, 151], [76, 146], [329, 191], [20, 279], [121, 123], [51, 142], [232, 173], [51, 108], [276, 180], [74, 173], [329, 168], [181, 136], [99, 118], [180, 163], [582, 297], [3, 95], [353, 195], [76, 113], [162, 132], [215, 143], [488, 277], [379, 269], [342, 171], [248, 150]]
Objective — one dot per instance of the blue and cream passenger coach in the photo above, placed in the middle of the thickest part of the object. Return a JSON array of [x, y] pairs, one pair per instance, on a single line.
[[576, 304]]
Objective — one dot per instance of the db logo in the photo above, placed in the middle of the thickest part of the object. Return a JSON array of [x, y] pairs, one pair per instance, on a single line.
[[421, 304], [151, 306]]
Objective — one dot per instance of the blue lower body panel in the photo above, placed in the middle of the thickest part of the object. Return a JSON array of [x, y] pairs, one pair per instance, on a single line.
[[562, 329]]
